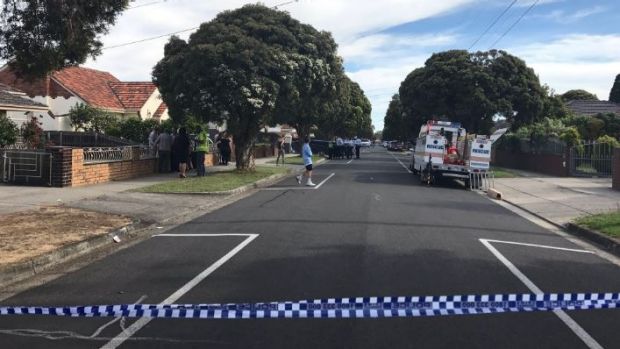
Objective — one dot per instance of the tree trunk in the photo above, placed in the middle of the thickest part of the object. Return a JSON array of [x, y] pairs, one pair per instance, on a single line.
[[243, 153]]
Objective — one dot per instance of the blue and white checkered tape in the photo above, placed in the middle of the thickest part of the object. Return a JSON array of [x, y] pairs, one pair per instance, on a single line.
[[361, 307]]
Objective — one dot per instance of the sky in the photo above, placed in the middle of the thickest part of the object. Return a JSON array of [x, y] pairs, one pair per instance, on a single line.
[[571, 44]]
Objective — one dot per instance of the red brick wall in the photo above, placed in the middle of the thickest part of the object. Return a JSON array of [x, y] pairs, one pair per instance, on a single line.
[[62, 158], [549, 164], [616, 169], [85, 174]]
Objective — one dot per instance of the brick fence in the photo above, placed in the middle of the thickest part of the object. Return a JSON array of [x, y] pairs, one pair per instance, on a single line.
[[84, 174], [69, 169], [549, 164]]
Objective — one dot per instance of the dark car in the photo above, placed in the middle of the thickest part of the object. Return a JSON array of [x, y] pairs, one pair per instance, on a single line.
[[317, 146], [395, 146]]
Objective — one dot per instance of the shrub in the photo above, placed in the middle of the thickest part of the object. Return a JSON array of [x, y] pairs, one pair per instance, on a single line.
[[571, 137], [8, 131], [32, 133]]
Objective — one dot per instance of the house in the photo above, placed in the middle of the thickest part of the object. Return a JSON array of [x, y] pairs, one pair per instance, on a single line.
[[17, 103], [62, 90], [592, 107]]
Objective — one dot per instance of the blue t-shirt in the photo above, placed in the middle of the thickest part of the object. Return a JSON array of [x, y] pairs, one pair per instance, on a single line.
[[306, 153]]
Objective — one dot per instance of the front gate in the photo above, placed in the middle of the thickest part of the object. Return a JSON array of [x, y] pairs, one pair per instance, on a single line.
[[27, 167], [591, 160]]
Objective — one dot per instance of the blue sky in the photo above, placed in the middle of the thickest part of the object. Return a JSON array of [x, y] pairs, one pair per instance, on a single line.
[[569, 43]]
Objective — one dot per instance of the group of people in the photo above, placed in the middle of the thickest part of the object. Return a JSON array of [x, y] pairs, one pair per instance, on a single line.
[[180, 151], [344, 148]]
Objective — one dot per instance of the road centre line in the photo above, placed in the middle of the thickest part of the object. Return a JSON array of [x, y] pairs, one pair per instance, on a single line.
[[136, 326], [538, 246], [572, 324]]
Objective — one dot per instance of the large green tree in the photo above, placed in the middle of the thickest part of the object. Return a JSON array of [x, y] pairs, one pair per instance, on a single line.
[[249, 67], [38, 37], [472, 88], [575, 95], [614, 94], [395, 125]]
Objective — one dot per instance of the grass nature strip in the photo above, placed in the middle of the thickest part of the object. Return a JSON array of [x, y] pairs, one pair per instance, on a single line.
[[606, 223], [215, 182]]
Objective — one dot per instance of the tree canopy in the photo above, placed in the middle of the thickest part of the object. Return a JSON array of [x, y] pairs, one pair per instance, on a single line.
[[396, 126], [574, 95], [473, 88], [250, 67], [38, 37], [346, 113], [614, 94]]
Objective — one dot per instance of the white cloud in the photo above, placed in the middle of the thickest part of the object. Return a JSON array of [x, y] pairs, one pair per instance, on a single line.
[[577, 61], [565, 17]]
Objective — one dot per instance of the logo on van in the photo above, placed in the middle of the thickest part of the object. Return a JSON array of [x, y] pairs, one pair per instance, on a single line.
[[432, 146]]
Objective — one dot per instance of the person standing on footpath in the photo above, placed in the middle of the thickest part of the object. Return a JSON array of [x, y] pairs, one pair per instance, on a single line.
[[164, 147], [225, 147], [306, 153], [202, 148], [152, 140], [280, 147], [182, 148]]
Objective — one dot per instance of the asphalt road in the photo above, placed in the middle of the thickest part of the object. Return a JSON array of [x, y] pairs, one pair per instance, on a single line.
[[370, 230]]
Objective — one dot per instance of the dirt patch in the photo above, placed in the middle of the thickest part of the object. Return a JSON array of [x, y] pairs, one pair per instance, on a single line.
[[29, 234]]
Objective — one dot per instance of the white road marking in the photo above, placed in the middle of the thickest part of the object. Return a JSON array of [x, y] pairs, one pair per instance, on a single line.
[[111, 322], [136, 326], [546, 225], [538, 246], [197, 235], [350, 161], [401, 163], [325, 180], [574, 326], [305, 187]]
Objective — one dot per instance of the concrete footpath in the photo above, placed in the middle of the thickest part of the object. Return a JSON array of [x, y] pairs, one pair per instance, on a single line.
[[150, 212], [115, 197], [560, 200]]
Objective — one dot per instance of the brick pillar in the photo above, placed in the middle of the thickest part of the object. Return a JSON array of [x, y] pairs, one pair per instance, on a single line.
[[62, 162], [616, 169]]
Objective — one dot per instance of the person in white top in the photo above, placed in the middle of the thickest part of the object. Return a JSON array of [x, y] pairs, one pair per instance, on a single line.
[[358, 144]]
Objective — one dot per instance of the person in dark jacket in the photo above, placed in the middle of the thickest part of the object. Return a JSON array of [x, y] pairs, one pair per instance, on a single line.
[[182, 150], [225, 148]]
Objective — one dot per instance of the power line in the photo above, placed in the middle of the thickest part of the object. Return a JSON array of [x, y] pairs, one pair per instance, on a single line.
[[177, 32], [492, 24], [514, 24], [147, 4]]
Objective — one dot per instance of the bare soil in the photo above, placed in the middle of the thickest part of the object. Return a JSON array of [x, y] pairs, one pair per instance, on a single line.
[[28, 234]]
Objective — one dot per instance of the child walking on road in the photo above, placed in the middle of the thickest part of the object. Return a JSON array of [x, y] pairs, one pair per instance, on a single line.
[[306, 153]]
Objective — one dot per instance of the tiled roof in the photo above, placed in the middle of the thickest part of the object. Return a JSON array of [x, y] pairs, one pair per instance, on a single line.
[[11, 97], [160, 110], [133, 95], [93, 86], [591, 107]]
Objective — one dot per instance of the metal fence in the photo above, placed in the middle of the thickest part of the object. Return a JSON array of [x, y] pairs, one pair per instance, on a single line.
[[112, 154], [84, 139], [591, 160], [482, 181], [26, 167]]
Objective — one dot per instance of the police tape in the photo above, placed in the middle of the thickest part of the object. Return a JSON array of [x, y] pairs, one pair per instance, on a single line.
[[361, 307]]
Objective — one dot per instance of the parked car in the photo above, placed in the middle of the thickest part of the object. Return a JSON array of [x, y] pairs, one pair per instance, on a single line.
[[366, 143], [395, 146], [317, 146]]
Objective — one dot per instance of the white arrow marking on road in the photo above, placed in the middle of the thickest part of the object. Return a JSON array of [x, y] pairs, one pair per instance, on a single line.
[[572, 324]]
